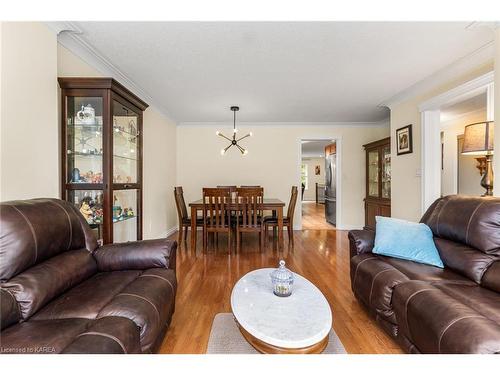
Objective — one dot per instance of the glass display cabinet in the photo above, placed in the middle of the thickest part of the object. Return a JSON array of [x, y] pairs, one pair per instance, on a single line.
[[101, 156], [378, 181]]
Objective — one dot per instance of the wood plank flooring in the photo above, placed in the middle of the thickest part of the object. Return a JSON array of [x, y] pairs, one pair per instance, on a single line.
[[322, 256], [313, 216]]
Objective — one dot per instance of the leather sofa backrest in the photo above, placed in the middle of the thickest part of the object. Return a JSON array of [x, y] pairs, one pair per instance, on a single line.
[[32, 231], [45, 248], [472, 221]]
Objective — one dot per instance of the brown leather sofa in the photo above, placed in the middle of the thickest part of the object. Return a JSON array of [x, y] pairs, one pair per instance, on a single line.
[[61, 293], [429, 309]]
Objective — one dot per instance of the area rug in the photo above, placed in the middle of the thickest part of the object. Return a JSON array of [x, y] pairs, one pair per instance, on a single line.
[[225, 338]]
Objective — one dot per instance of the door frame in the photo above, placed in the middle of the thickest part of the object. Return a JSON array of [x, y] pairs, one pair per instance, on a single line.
[[430, 113], [338, 141]]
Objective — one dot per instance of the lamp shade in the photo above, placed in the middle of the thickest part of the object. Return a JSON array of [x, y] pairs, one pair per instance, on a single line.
[[478, 138]]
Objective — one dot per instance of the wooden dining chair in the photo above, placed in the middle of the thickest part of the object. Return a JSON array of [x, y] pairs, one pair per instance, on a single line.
[[216, 214], [182, 214], [249, 214], [230, 187], [272, 221]]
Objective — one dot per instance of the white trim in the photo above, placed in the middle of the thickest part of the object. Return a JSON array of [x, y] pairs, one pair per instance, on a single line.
[[222, 124], [431, 132], [431, 158], [338, 141], [490, 102], [460, 93], [71, 37], [480, 56]]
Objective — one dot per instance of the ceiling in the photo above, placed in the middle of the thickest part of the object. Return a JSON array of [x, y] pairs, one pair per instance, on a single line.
[[474, 104], [279, 71], [314, 149]]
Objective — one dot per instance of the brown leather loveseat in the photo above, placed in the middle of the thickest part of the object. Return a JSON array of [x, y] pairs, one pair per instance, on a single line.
[[433, 310], [61, 293]]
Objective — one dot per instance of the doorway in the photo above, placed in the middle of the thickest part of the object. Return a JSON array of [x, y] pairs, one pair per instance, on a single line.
[[318, 184]]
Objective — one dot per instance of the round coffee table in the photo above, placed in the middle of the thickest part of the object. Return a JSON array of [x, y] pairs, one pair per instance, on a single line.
[[296, 324]]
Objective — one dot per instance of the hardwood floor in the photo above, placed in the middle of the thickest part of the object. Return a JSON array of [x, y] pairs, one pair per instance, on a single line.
[[322, 256], [313, 216]]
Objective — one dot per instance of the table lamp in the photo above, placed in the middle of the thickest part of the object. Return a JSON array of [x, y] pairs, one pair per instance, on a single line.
[[478, 140]]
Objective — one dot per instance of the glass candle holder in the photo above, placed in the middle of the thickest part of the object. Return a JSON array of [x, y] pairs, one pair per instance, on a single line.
[[282, 280]]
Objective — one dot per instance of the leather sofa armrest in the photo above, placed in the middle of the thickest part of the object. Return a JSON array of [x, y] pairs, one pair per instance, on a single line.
[[361, 241], [139, 255]]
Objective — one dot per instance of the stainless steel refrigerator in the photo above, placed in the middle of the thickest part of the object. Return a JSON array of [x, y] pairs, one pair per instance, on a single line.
[[331, 189]]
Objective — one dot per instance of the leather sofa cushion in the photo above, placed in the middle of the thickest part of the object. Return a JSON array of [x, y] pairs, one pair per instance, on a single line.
[[482, 300], [45, 336], [9, 309], [474, 221], [491, 278], [109, 335], [87, 299], [34, 230], [436, 322], [148, 301], [35, 287], [467, 261], [418, 271], [373, 281]]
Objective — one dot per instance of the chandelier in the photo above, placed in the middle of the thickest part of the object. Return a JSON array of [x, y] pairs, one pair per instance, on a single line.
[[234, 141]]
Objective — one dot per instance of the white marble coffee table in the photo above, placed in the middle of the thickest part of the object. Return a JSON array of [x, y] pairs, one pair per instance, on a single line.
[[296, 324]]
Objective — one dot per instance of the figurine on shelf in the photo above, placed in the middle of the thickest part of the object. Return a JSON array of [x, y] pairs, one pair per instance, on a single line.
[[130, 212], [117, 210], [86, 211], [75, 175], [129, 179]]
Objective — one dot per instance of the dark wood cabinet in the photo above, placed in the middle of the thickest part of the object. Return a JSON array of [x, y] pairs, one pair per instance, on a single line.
[[101, 155], [378, 181]]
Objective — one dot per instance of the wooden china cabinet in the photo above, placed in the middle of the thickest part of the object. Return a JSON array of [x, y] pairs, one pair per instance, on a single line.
[[101, 155], [378, 181]]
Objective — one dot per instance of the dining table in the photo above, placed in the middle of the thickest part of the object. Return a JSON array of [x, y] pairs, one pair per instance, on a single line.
[[268, 204]]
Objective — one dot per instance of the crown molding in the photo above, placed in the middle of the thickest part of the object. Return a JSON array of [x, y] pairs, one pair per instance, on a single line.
[[462, 92], [71, 36], [382, 123], [480, 56]]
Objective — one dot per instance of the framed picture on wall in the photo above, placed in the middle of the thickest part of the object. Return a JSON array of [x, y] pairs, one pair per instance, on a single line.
[[404, 140], [317, 170]]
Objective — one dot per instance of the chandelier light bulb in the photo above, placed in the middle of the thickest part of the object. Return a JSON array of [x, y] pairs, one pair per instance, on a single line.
[[251, 134], [233, 140]]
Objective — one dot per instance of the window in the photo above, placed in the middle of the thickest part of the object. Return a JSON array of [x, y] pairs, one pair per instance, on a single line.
[[303, 175]]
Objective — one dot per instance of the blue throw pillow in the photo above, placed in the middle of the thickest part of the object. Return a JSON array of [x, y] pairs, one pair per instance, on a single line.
[[405, 240]]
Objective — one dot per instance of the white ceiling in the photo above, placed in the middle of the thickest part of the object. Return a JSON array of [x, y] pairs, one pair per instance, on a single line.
[[279, 71], [474, 104], [313, 149]]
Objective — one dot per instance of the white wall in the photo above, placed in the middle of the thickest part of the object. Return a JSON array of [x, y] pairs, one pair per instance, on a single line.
[[29, 126], [310, 192], [406, 184], [159, 153], [469, 174], [273, 161]]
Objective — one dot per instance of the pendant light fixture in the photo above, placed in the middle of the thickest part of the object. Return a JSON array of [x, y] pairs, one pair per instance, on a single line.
[[234, 141]]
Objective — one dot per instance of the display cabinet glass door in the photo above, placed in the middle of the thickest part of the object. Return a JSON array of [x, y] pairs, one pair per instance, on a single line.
[[126, 172], [84, 145], [386, 172], [373, 173], [83, 167]]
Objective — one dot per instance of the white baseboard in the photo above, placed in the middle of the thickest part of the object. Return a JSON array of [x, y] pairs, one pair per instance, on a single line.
[[170, 231], [350, 227]]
